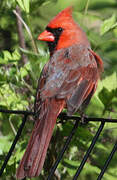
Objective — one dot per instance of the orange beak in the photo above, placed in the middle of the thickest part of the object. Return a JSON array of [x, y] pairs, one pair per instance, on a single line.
[[46, 36]]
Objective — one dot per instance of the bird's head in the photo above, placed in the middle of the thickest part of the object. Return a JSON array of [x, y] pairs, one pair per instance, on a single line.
[[62, 32]]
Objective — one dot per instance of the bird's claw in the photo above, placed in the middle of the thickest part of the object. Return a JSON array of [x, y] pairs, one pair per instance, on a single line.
[[83, 119]]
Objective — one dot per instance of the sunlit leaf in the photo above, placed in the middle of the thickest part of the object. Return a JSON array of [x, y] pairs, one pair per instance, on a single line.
[[20, 2], [108, 24], [24, 4]]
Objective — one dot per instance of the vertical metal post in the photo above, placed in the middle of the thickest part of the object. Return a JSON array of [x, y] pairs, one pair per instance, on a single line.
[[63, 150], [89, 150], [107, 162], [13, 144]]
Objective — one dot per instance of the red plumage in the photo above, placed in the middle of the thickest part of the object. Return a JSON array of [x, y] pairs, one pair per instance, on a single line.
[[68, 80]]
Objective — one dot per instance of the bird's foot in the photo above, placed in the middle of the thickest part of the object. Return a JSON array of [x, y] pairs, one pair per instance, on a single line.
[[83, 119]]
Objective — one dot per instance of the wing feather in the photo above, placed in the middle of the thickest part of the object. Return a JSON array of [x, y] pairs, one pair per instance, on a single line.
[[71, 74]]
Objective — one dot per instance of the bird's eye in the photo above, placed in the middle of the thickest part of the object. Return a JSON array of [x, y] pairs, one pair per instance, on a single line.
[[59, 29]]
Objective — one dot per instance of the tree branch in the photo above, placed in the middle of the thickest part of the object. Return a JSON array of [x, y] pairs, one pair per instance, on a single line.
[[21, 35]]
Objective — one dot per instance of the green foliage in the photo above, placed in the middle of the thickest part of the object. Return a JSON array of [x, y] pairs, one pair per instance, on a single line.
[[108, 24], [6, 57], [24, 4], [18, 82]]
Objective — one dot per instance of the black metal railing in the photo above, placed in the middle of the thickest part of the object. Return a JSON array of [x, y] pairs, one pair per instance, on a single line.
[[63, 116]]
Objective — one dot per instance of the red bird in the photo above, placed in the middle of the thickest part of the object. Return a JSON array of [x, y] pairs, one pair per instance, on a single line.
[[68, 80]]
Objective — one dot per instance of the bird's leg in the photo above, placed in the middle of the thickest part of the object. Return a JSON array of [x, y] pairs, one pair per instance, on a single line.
[[83, 116]]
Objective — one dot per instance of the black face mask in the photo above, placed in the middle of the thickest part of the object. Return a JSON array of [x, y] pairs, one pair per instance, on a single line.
[[56, 32]]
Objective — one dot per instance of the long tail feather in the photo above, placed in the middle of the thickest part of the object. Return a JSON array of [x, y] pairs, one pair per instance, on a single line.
[[34, 156]]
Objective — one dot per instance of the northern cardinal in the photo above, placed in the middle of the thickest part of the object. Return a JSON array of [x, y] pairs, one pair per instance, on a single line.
[[68, 80]]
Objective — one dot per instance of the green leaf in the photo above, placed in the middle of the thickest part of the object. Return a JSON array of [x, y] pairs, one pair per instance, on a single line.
[[11, 168], [23, 72], [20, 2], [107, 89], [71, 166], [110, 83], [7, 55], [24, 4], [108, 24], [106, 96], [4, 144], [28, 52], [15, 55]]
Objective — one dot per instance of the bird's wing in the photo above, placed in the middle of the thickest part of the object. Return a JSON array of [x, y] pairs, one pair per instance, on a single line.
[[71, 74], [41, 83]]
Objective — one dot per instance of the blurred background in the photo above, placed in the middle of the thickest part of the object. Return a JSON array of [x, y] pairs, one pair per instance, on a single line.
[[22, 58]]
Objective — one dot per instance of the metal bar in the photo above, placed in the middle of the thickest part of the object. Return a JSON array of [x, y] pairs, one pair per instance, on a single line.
[[107, 162], [68, 140], [89, 150], [13, 144], [102, 120], [16, 112], [61, 116], [65, 117]]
